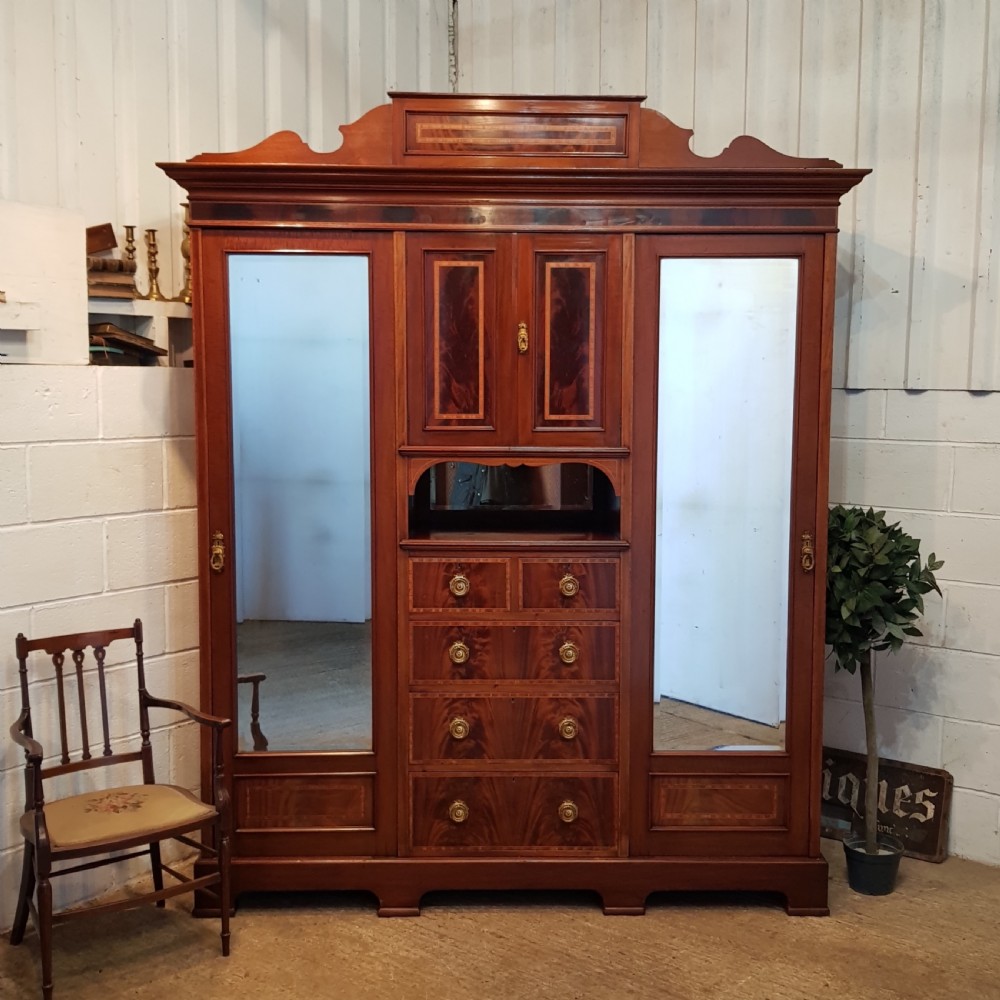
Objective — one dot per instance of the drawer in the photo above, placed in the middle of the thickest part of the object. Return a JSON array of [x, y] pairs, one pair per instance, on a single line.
[[557, 652], [459, 584], [513, 728], [523, 814], [570, 585]]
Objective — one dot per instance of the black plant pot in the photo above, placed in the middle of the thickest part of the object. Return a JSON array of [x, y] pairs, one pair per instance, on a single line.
[[873, 874]]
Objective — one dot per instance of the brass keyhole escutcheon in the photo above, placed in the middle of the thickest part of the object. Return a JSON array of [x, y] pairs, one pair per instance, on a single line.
[[569, 728], [808, 552], [459, 728], [458, 652], [458, 811], [459, 585], [217, 554], [569, 652], [568, 811], [569, 586], [522, 338]]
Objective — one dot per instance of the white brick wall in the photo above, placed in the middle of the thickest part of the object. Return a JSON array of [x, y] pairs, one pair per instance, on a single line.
[[97, 528], [932, 460]]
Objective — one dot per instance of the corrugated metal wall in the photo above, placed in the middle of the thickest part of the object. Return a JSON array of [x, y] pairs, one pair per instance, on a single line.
[[906, 87], [93, 92]]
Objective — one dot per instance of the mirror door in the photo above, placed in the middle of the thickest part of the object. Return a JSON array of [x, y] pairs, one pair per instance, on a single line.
[[730, 345], [294, 376], [299, 354]]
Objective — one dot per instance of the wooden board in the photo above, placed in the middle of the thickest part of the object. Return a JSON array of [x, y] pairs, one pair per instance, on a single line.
[[914, 802]]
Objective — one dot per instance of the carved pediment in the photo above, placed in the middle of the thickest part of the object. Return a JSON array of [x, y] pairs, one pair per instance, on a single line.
[[462, 131]]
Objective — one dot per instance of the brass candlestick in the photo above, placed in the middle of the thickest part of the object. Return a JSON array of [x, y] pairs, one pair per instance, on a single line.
[[152, 250], [185, 293], [130, 242]]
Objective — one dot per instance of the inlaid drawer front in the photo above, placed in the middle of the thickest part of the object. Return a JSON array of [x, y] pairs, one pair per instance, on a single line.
[[490, 814], [513, 728], [718, 800], [454, 585], [463, 651], [570, 585]]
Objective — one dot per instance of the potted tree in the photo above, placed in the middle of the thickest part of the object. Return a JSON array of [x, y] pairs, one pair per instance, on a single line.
[[874, 593]]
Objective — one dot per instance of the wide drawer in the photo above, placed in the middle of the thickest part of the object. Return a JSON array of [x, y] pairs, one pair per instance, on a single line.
[[513, 728], [476, 584], [526, 814], [557, 652], [569, 585]]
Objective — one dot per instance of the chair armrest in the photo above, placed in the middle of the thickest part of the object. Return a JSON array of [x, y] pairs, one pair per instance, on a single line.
[[215, 721], [31, 746]]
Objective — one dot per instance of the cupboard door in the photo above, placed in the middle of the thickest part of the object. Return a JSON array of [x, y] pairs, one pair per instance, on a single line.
[[455, 285], [571, 289]]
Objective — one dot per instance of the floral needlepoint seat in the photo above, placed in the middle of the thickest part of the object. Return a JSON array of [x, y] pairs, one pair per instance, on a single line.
[[60, 829], [133, 811]]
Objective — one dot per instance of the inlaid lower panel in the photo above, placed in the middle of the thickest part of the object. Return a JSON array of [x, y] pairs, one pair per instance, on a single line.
[[320, 801], [514, 814], [563, 652], [718, 801], [512, 728]]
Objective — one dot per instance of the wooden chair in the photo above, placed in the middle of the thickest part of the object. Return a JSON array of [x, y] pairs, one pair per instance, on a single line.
[[58, 830]]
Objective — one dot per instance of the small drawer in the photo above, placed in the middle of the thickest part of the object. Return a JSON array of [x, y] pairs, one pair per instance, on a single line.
[[570, 585], [523, 814], [459, 584], [466, 651], [513, 728]]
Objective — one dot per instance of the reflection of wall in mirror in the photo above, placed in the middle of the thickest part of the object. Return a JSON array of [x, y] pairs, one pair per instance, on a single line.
[[299, 333], [725, 417]]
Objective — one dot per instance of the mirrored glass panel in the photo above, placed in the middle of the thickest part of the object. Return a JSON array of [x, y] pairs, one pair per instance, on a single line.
[[299, 334], [565, 499], [724, 466]]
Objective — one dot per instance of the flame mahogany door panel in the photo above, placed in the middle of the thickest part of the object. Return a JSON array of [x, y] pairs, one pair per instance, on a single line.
[[458, 289], [570, 287], [514, 339]]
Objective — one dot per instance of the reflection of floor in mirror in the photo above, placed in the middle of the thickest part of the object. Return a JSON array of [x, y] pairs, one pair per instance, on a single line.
[[680, 726], [317, 695]]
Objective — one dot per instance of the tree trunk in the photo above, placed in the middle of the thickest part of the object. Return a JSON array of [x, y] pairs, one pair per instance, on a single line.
[[871, 741]]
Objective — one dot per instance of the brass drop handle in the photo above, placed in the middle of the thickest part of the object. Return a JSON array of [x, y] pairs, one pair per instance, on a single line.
[[569, 728], [217, 555], [458, 811], [458, 652], [459, 585], [569, 652], [522, 338], [808, 552], [568, 811], [569, 586], [459, 728]]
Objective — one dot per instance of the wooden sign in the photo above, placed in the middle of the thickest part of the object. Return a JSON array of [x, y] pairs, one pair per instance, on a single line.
[[914, 803]]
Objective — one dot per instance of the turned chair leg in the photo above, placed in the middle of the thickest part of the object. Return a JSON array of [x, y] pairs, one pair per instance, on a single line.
[[224, 890], [157, 865], [24, 899], [45, 934]]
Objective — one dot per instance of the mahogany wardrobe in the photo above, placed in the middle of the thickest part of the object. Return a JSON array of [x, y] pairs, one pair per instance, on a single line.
[[513, 420]]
